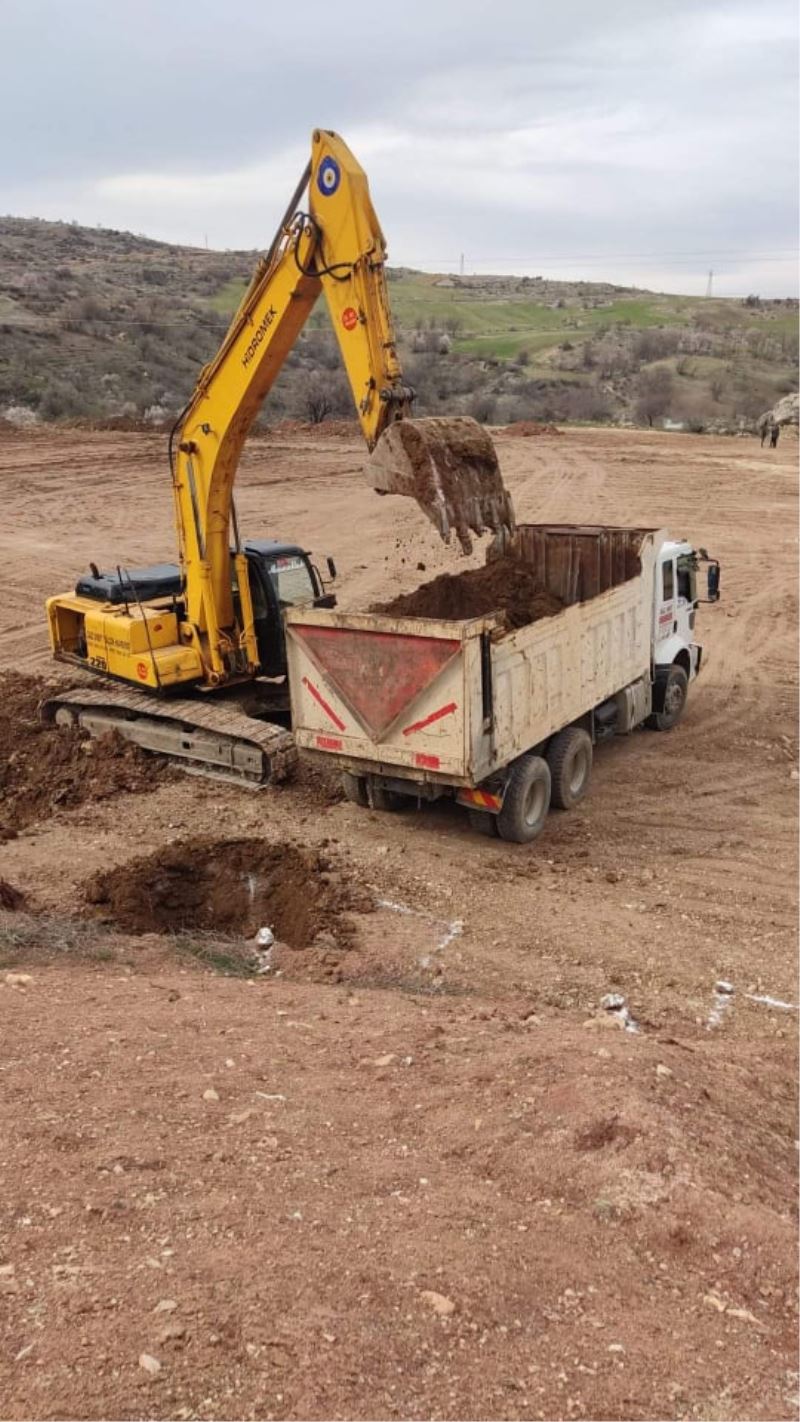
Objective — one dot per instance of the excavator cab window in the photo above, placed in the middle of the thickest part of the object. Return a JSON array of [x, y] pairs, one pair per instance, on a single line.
[[292, 580]]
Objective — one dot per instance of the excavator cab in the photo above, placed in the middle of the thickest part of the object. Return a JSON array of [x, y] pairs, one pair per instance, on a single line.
[[281, 575]]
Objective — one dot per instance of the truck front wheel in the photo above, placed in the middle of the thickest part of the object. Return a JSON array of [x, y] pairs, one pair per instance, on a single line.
[[569, 756], [669, 695], [526, 800]]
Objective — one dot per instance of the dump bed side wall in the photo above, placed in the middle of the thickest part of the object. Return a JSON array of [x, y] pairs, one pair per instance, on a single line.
[[555, 671]]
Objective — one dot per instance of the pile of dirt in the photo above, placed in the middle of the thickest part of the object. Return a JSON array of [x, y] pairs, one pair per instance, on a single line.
[[505, 586], [231, 886], [44, 768], [524, 429]]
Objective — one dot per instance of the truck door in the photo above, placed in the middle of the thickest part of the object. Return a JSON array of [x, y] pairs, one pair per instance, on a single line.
[[665, 611], [686, 597]]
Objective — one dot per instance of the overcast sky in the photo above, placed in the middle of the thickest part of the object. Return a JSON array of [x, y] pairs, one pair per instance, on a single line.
[[642, 141]]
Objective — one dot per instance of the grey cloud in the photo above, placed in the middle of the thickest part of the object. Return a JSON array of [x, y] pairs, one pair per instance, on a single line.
[[615, 134]]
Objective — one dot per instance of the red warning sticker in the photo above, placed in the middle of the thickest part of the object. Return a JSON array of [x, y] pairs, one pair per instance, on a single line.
[[349, 318], [142, 670]]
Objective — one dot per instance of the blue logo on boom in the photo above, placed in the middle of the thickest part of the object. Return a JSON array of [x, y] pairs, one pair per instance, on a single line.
[[328, 177]]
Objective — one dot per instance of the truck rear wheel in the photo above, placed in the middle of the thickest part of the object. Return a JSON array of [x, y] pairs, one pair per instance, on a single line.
[[526, 800], [355, 788], [669, 694], [569, 756]]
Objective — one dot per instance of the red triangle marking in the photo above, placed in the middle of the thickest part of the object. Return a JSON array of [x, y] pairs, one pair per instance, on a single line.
[[376, 673]]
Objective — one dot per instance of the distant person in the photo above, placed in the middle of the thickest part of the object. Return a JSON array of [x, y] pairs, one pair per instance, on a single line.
[[774, 436], [766, 429]]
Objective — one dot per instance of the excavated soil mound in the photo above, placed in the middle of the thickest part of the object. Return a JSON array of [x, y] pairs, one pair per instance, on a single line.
[[524, 429], [231, 886], [43, 768], [505, 586]]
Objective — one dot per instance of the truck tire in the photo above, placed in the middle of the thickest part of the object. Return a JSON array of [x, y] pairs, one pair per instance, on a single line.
[[669, 694], [355, 788], [385, 800], [483, 823], [526, 800], [569, 756]]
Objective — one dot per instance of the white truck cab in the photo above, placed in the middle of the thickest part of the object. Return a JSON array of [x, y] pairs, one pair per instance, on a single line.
[[675, 603]]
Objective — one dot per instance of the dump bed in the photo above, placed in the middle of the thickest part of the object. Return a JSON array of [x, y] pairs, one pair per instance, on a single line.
[[452, 701]]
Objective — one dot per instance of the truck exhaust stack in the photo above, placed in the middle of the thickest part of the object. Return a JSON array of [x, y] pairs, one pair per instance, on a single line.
[[450, 467]]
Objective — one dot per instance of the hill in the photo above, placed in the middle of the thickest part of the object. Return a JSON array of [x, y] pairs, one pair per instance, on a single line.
[[100, 324]]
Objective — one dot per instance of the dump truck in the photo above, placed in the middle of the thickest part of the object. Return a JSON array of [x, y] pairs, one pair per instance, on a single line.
[[504, 720]]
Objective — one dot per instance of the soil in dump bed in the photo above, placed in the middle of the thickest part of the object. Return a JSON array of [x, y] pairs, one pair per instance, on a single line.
[[231, 886], [44, 768], [505, 586]]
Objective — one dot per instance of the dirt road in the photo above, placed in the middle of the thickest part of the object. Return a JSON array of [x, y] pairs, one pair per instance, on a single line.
[[433, 1105]]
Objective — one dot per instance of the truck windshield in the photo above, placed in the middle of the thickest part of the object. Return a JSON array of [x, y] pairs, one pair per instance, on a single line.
[[291, 579]]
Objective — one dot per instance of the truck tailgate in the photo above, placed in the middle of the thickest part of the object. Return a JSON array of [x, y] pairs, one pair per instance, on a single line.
[[390, 691]]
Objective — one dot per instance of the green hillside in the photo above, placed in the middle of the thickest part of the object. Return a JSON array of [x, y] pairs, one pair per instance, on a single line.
[[100, 323]]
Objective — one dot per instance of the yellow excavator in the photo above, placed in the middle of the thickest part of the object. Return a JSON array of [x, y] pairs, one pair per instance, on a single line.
[[163, 639]]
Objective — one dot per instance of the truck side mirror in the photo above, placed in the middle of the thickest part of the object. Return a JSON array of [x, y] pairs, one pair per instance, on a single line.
[[331, 567]]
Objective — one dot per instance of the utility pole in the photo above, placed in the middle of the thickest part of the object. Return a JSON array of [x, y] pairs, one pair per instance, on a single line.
[[709, 284], [461, 265]]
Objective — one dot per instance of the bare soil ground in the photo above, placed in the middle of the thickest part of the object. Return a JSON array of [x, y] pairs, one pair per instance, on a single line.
[[415, 1169]]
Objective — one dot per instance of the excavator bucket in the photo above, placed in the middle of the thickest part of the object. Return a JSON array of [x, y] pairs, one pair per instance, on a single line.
[[450, 467]]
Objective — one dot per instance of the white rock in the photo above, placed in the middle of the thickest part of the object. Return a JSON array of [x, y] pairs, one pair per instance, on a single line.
[[440, 1303], [150, 1364], [210, 1094]]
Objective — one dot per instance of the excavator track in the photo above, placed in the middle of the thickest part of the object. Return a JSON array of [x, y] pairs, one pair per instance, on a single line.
[[215, 740]]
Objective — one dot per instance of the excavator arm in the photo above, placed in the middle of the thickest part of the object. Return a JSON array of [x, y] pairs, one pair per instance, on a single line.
[[338, 248]]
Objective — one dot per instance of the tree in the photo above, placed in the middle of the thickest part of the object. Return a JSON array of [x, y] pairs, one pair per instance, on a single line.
[[317, 402], [655, 394]]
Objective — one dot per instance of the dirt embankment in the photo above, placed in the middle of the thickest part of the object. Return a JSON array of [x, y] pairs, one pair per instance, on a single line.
[[44, 768], [505, 586]]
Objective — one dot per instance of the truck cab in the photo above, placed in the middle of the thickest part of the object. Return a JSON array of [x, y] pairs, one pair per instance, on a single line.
[[675, 604]]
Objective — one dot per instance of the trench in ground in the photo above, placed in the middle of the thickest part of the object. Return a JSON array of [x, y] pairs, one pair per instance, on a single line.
[[233, 886]]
